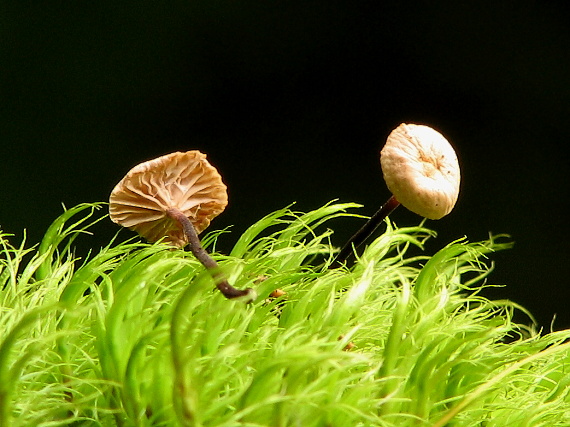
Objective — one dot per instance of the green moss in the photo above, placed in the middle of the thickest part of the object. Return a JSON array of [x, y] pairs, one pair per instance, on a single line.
[[136, 335]]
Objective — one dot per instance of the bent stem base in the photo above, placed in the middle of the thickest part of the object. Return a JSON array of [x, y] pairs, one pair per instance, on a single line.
[[207, 261]]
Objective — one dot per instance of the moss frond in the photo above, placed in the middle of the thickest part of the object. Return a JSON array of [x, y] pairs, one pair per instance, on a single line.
[[136, 335]]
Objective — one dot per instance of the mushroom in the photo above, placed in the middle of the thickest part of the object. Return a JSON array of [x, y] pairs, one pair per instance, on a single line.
[[174, 198], [421, 170]]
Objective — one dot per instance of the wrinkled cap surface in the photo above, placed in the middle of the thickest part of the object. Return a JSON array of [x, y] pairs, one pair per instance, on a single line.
[[185, 181], [421, 170]]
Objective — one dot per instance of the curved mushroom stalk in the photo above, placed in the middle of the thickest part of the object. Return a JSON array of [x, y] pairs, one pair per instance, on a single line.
[[183, 187], [421, 170], [207, 261]]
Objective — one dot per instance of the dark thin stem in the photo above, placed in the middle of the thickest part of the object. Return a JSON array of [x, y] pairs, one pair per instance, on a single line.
[[202, 255], [367, 229]]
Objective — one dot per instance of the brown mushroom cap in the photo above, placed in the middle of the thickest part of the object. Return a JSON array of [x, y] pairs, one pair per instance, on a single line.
[[184, 181], [421, 170]]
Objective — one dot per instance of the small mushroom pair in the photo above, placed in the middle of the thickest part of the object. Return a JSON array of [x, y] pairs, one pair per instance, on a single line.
[[174, 198], [421, 170]]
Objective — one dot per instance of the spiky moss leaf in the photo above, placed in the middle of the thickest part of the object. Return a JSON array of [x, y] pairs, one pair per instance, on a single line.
[[58, 232], [298, 226]]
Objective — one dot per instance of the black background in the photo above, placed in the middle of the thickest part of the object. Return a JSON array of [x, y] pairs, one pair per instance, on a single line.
[[292, 102]]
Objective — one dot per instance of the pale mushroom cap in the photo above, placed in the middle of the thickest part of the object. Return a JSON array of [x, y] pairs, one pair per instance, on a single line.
[[421, 170], [185, 181]]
